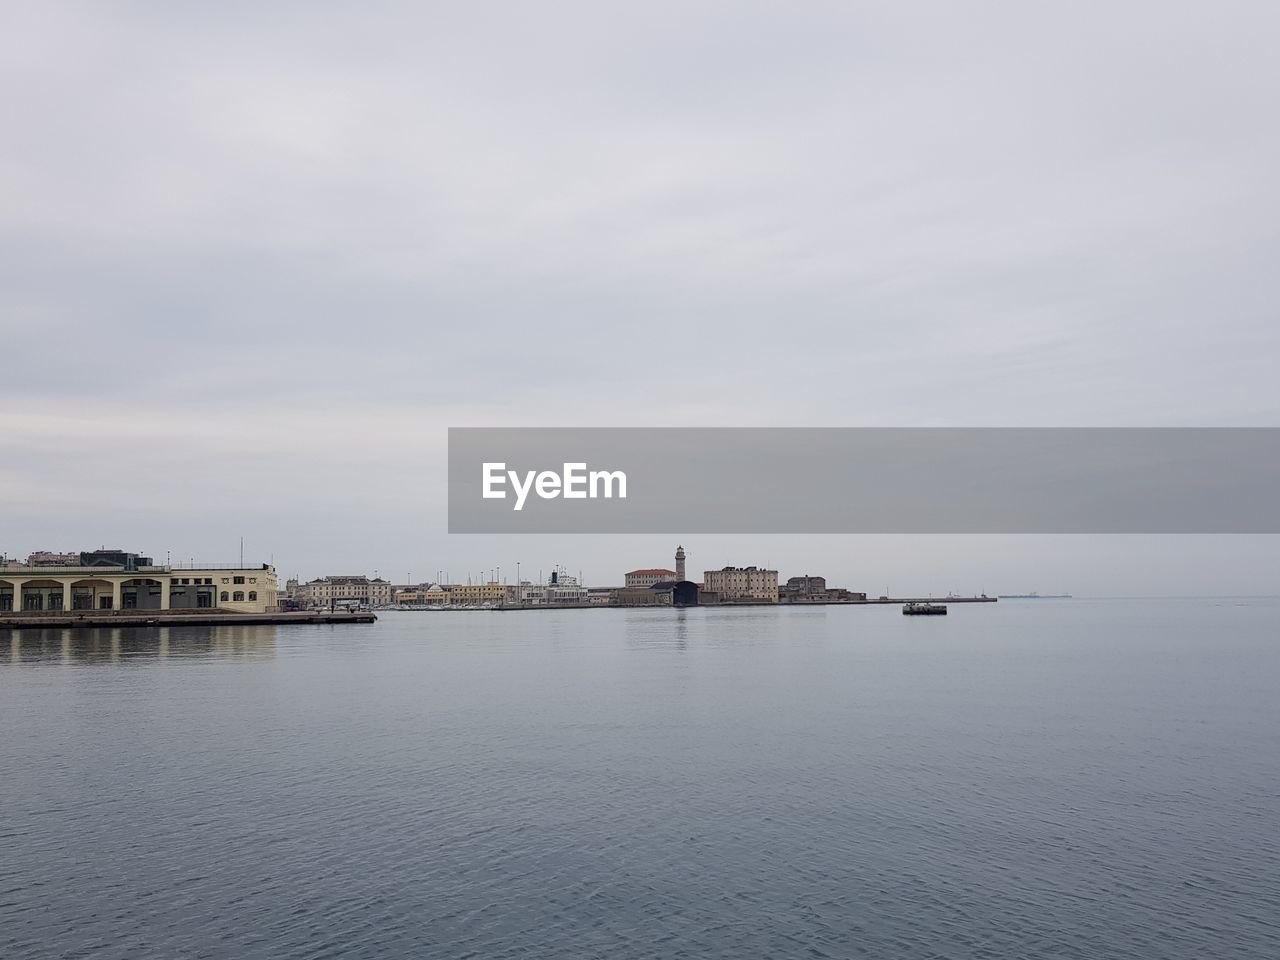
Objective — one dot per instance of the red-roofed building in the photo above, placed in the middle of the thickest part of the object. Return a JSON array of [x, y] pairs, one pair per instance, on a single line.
[[648, 577]]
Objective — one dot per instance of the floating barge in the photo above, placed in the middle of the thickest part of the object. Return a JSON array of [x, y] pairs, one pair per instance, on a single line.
[[924, 610], [165, 618]]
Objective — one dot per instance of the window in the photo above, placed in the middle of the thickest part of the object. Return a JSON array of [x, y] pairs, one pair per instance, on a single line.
[[226, 580], [253, 579], [239, 596], [253, 594], [238, 579], [225, 595]]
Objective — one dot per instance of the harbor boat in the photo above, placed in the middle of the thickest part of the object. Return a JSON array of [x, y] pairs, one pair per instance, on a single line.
[[924, 609]]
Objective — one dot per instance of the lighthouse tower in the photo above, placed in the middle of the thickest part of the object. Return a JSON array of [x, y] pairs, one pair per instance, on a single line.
[[680, 577]]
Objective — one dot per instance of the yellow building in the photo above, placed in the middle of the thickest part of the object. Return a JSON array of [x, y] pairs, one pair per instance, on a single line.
[[104, 587], [480, 593], [438, 595], [426, 595], [435, 595]]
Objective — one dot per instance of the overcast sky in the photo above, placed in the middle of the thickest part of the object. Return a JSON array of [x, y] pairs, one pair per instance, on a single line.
[[255, 259]]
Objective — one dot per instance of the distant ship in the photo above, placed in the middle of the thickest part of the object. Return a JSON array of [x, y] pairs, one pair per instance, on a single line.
[[1034, 596]]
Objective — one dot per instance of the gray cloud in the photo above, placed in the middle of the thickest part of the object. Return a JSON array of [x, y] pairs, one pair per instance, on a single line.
[[312, 236]]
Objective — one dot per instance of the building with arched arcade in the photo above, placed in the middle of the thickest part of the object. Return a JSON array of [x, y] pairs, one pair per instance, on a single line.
[[119, 586]]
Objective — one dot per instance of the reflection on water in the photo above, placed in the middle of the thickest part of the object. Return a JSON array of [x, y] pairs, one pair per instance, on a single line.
[[1067, 779], [657, 627], [54, 645], [682, 628], [679, 628]]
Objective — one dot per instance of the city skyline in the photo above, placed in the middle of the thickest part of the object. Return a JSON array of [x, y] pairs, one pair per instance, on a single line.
[[1203, 565]]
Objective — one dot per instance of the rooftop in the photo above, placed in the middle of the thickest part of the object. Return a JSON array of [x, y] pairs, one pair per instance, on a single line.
[[106, 568]]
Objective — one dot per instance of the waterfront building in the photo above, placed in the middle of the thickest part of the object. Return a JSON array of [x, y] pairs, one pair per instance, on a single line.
[[454, 594], [490, 592], [601, 596], [110, 558], [410, 597], [82, 558], [804, 586], [426, 594], [327, 591], [742, 584], [657, 586], [810, 589], [655, 596], [435, 594], [105, 586], [647, 577], [51, 558]]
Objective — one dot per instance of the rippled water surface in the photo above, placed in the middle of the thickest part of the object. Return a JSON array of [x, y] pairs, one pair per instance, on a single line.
[[1036, 778]]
